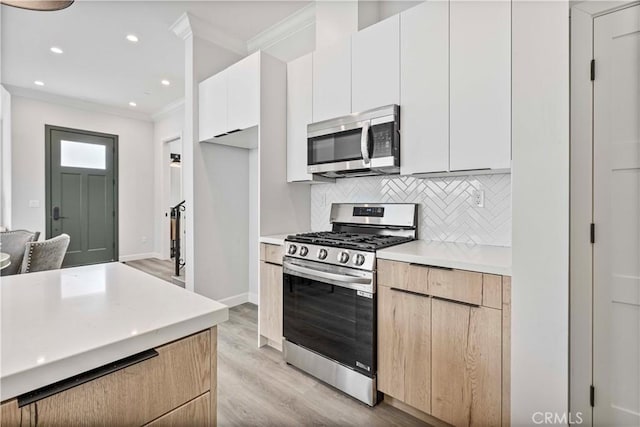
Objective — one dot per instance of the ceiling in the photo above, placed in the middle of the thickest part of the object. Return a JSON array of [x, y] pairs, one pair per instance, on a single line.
[[100, 66]]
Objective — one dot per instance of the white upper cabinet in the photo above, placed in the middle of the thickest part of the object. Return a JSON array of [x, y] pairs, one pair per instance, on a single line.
[[244, 93], [424, 88], [375, 63], [332, 81], [213, 106], [480, 85], [299, 115], [230, 100]]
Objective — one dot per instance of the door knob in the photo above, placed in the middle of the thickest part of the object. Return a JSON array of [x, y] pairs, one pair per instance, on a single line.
[[56, 213]]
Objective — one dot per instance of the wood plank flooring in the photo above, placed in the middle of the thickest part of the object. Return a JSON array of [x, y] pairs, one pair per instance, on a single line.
[[162, 269], [257, 388]]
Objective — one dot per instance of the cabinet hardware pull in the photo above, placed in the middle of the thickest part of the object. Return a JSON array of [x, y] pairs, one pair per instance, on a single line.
[[233, 131], [410, 292], [456, 301], [85, 377], [435, 267], [220, 134], [272, 263]]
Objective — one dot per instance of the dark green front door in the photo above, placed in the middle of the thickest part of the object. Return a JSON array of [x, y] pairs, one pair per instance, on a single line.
[[81, 199]]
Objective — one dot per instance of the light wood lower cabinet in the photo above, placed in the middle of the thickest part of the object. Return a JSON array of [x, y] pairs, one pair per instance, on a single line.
[[270, 308], [194, 413], [444, 350], [466, 352], [404, 355], [184, 370]]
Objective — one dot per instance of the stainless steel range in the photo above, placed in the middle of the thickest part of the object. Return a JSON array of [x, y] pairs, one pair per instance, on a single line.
[[329, 293]]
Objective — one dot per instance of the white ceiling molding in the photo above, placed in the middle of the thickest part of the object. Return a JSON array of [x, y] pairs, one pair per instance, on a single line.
[[292, 24], [79, 104], [188, 25], [167, 110]]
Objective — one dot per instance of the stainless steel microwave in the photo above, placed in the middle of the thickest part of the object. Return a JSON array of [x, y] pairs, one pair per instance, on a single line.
[[361, 144]]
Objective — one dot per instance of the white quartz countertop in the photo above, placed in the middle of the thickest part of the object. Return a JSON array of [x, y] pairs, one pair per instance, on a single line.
[[277, 239], [60, 323], [481, 258]]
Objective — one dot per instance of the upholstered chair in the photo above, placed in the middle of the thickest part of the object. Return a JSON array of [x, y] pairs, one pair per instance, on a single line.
[[14, 243], [45, 255]]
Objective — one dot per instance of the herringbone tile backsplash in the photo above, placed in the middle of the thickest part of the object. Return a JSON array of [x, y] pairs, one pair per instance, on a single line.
[[447, 212]]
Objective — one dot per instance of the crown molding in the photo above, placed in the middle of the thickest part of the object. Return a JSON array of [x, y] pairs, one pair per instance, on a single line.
[[189, 25], [76, 103], [168, 109], [284, 29]]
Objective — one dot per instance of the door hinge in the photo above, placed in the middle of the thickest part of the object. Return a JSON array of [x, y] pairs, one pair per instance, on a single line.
[[592, 232], [592, 396], [593, 69]]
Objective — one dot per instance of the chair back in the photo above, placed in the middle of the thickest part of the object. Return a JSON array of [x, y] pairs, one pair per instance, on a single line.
[[45, 255], [14, 243]]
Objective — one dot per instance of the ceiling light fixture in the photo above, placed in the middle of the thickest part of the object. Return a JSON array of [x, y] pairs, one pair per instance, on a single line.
[[38, 83], [132, 104], [175, 160], [44, 5], [56, 49], [165, 82], [132, 38]]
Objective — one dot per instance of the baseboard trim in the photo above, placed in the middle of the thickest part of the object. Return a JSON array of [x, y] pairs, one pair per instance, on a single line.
[[235, 300], [422, 416], [253, 298], [135, 257]]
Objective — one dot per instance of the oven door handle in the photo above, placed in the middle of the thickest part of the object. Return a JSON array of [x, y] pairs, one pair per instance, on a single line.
[[329, 276], [364, 143]]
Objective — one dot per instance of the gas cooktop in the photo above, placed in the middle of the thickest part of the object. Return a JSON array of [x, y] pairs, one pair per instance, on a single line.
[[356, 241]]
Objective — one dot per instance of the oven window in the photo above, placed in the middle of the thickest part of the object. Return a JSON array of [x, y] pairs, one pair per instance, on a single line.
[[339, 147], [330, 320]]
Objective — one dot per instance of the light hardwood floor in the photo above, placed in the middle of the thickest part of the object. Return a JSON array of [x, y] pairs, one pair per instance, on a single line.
[[257, 388], [162, 269]]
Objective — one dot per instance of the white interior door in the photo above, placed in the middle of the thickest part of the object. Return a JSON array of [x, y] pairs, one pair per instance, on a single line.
[[616, 340]]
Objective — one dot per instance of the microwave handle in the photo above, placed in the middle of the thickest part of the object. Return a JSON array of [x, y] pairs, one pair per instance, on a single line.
[[364, 142]]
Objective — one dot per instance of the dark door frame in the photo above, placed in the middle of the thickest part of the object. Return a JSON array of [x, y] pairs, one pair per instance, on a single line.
[[47, 170]]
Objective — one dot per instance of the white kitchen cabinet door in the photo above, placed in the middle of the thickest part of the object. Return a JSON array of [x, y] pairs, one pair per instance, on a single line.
[[332, 81], [480, 85], [424, 88], [244, 93], [375, 62], [299, 115], [212, 110]]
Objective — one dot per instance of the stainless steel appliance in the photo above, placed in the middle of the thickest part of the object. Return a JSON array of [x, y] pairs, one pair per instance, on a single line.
[[329, 294], [362, 144]]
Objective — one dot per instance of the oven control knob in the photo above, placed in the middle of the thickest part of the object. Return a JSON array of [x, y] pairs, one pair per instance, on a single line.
[[322, 254], [343, 257], [304, 251], [292, 249], [359, 260]]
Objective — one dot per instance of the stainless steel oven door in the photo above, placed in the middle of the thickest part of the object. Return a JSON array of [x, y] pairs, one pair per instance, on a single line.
[[332, 311]]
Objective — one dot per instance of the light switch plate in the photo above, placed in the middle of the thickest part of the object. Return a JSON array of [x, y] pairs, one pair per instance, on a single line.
[[34, 203]]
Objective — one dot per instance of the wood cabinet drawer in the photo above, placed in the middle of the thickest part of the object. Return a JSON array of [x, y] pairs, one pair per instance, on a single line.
[[139, 393], [271, 253], [194, 413], [403, 275], [457, 285]]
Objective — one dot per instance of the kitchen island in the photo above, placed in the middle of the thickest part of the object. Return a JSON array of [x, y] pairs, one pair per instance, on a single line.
[[106, 344]]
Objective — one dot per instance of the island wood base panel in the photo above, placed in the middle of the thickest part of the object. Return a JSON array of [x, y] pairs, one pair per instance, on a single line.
[[177, 387]]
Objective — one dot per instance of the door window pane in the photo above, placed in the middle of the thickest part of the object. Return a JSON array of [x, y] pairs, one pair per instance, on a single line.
[[82, 155]]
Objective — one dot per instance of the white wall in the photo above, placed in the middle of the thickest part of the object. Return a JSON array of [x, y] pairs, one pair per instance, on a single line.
[[165, 126], [135, 167], [540, 185], [5, 158]]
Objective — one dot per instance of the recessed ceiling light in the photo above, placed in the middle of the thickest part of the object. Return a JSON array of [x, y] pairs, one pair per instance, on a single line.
[[55, 49], [132, 104], [132, 38], [165, 82], [38, 83]]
